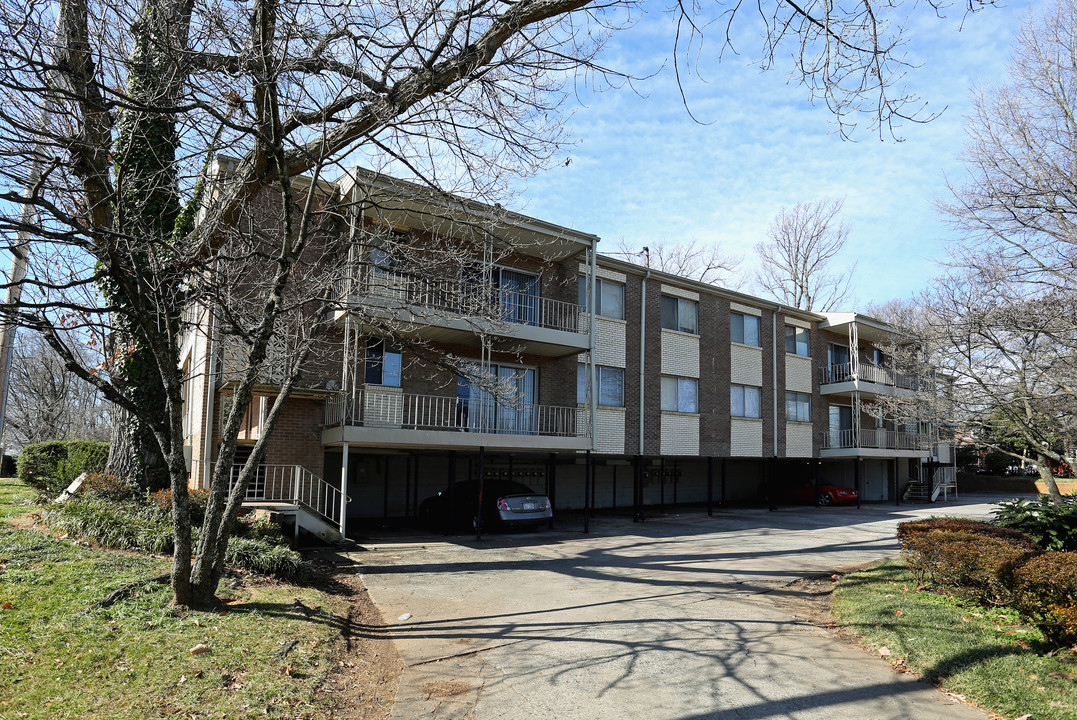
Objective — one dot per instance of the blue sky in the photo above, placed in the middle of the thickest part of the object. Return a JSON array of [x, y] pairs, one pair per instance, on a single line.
[[644, 171]]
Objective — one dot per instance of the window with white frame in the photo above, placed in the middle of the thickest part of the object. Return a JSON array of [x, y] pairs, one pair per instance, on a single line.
[[609, 297], [382, 364], [744, 329], [797, 341], [680, 314], [680, 394], [745, 401], [797, 407], [611, 385]]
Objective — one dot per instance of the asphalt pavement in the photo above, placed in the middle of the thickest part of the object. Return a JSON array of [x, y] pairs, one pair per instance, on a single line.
[[668, 619]]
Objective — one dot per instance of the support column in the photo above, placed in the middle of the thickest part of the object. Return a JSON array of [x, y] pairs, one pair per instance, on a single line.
[[344, 491], [856, 479], [551, 484], [588, 483], [710, 487], [452, 490], [637, 489], [722, 501], [482, 482]]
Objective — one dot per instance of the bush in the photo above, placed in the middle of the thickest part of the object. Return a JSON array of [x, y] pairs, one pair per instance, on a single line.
[[51, 466], [973, 565], [1045, 593], [199, 500], [909, 529], [1051, 525], [127, 525], [107, 487], [267, 558]]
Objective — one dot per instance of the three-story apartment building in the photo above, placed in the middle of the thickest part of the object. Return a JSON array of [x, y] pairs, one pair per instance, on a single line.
[[599, 382]]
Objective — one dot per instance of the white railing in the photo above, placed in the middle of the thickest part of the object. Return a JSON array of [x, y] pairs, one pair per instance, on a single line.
[[468, 299], [292, 484], [944, 481], [431, 412], [877, 439], [843, 372]]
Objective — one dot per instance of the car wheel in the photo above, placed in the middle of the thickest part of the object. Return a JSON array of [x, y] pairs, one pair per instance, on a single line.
[[824, 499]]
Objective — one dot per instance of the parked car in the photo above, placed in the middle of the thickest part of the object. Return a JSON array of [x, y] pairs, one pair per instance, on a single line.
[[827, 495], [506, 504]]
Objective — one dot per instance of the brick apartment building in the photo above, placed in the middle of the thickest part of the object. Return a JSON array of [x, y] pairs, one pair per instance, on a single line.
[[667, 390]]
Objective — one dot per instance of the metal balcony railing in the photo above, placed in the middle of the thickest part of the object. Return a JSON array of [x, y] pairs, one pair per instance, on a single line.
[[292, 484], [416, 292], [876, 439], [843, 372], [431, 412]]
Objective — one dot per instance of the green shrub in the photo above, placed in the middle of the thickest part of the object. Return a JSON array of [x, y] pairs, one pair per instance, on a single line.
[[1045, 593], [51, 466], [127, 525], [199, 500], [38, 463], [976, 527], [267, 558], [259, 527], [107, 487], [1051, 525]]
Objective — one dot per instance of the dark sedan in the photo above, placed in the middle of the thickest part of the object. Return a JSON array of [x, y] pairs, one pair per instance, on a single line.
[[505, 505]]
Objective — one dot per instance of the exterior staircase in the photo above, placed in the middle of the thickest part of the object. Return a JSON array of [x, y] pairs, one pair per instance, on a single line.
[[943, 482], [314, 505]]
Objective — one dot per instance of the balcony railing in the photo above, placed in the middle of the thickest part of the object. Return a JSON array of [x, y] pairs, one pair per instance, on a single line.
[[844, 372], [406, 411], [466, 299], [292, 484], [875, 439]]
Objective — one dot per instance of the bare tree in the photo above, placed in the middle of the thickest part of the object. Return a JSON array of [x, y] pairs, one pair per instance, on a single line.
[[706, 263], [1008, 301], [795, 265], [48, 402], [139, 233]]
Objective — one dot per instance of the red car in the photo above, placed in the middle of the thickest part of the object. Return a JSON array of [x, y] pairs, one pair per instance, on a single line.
[[828, 494]]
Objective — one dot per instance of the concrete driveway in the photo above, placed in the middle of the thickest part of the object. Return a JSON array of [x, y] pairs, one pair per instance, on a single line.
[[667, 619]]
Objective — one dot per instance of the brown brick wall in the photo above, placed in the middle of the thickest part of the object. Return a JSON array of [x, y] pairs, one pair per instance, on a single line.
[[714, 373]]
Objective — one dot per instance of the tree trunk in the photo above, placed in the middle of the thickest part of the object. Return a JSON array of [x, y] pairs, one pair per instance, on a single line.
[[134, 455], [1043, 465]]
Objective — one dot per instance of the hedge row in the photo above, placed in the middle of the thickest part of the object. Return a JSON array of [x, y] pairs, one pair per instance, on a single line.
[[996, 566], [51, 466]]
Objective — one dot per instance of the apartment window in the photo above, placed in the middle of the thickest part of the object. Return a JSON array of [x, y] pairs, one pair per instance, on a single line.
[[745, 401], [611, 385], [680, 394], [797, 407], [382, 365], [797, 341], [680, 314], [744, 329], [877, 358], [609, 297]]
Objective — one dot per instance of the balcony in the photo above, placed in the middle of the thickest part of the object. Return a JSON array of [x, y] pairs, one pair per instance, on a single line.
[[385, 418], [872, 442], [449, 310], [848, 377]]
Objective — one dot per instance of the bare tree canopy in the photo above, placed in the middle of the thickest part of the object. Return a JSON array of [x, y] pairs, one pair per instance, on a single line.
[[1004, 312], [48, 402], [795, 264], [113, 114], [703, 262]]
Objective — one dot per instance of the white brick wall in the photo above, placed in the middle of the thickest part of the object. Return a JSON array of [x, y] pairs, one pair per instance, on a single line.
[[610, 342], [798, 373], [604, 273], [746, 437], [610, 430], [746, 365], [679, 292], [680, 434], [797, 322], [798, 439], [680, 354], [746, 309]]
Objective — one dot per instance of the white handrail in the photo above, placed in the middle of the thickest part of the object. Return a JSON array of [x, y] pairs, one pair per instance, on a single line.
[[373, 408], [293, 484]]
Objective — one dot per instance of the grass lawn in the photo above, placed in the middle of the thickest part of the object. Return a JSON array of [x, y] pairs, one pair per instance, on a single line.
[[988, 656], [133, 660]]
